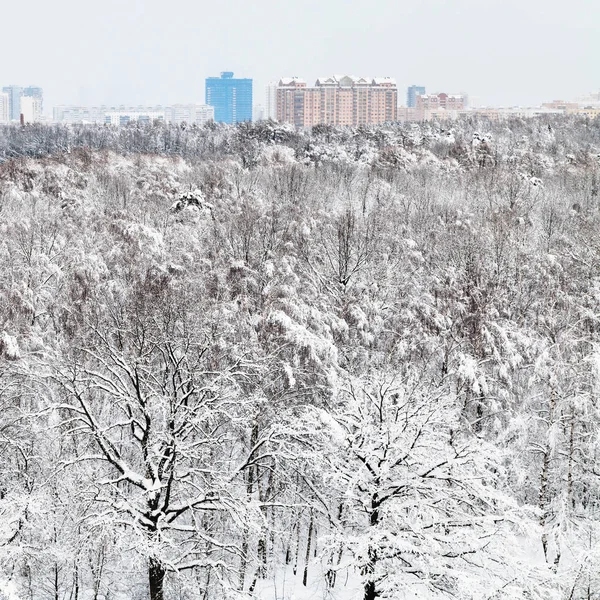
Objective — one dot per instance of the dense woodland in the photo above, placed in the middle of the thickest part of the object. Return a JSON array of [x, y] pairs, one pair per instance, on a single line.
[[250, 362]]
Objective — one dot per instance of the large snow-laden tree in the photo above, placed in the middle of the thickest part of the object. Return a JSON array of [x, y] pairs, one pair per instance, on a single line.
[[151, 402], [422, 501]]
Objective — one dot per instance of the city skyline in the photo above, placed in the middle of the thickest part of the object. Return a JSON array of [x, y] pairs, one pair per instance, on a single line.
[[502, 52], [265, 98], [281, 103]]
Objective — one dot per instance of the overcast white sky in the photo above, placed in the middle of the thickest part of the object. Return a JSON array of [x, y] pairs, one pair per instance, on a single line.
[[504, 52]]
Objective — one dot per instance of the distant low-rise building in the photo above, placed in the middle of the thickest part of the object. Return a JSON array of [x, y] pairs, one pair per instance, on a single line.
[[123, 117], [586, 111], [337, 100], [561, 105], [198, 114], [78, 114], [116, 115]]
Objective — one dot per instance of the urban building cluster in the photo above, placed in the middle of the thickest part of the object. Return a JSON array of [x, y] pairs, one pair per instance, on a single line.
[[343, 100], [21, 104]]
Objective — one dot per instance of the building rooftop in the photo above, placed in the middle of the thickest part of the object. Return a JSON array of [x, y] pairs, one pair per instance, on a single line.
[[290, 80], [345, 81]]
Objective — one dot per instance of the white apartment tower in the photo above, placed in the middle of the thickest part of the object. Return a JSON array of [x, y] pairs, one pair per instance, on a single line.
[[30, 109], [270, 111], [4, 108], [258, 113]]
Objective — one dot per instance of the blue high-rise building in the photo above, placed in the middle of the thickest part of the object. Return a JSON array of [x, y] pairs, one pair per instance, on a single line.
[[412, 93], [230, 97]]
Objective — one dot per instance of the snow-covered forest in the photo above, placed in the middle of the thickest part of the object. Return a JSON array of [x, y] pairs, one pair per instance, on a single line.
[[255, 363]]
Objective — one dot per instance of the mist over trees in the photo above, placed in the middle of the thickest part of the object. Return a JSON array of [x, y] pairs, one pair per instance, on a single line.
[[250, 362]]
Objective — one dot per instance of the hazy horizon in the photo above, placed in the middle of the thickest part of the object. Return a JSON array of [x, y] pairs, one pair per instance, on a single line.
[[502, 53]]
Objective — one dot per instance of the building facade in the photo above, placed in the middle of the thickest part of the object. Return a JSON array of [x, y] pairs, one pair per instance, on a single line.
[[30, 110], [16, 93], [411, 95], [231, 98], [439, 106], [123, 117], [198, 114], [78, 114], [14, 101], [4, 108], [271, 101], [337, 100], [258, 113], [37, 93]]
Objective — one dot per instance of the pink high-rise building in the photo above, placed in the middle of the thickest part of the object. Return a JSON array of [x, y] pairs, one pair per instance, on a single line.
[[337, 100]]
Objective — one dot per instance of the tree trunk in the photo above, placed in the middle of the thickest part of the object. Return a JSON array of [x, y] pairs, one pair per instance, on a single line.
[[297, 546], [75, 592], [371, 592], [308, 544], [331, 574], [570, 496], [545, 480], [250, 492], [156, 578], [56, 590]]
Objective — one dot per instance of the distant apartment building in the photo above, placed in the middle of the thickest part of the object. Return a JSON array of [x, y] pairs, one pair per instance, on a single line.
[[587, 111], [271, 101], [411, 95], [14, 101], [37, 93], [337, 100], [231, 98], [15, 95], [198, 114], [561, 105], [79, 114], [30, 109], [258, 113], [4, 108], [110, 115], [591, 108], [123, 117], [439, 106]]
